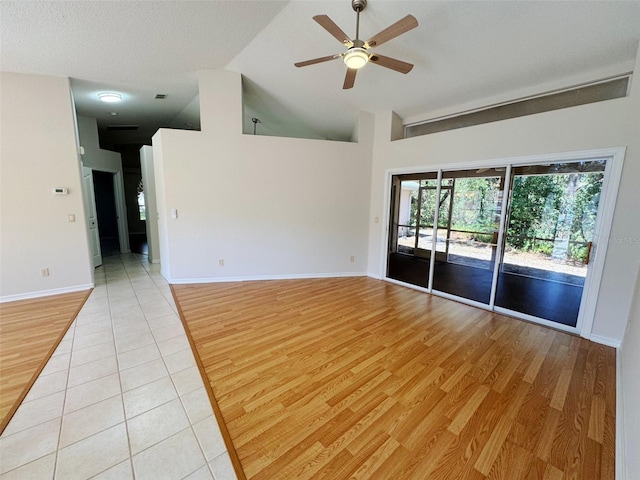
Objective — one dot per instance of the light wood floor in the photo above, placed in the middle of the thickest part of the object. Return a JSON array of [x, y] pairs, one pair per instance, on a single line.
[[30, 330], [359, 378]]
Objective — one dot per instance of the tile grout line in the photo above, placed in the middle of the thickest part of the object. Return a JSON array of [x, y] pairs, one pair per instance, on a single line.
[[115, 349], [191, 426], [66, 389]]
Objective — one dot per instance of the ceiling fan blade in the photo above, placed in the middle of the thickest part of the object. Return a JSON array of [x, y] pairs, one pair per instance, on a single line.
[[328, 24], [316, 60], [392, 31], [392, 63], [349, 78]]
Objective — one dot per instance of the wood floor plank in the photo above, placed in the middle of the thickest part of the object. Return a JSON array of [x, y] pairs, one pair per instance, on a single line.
[[355, 378], [30, 331]]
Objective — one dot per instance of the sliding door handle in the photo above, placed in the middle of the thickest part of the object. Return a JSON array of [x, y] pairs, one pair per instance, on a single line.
[[588, 257]]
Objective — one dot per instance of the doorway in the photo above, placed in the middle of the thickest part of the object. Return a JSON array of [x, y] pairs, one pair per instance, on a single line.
[[106, 211], [517, 238]]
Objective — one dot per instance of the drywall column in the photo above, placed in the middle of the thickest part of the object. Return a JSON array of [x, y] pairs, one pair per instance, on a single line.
[[38, 152], [220, 103], [629, 387], [149, 183], [627, 417]]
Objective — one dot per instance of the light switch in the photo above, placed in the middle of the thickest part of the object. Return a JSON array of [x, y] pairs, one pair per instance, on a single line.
[[72, 218], [174, 213]]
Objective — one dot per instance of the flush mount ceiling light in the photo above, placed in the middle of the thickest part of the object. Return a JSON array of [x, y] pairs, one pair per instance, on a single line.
[[110, 97]]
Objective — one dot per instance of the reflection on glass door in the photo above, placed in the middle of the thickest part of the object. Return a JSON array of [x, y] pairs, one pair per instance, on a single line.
[[467, 233], [551, 221], [413, 199]]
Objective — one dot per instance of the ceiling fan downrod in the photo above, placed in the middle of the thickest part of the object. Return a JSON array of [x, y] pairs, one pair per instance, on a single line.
[[358, 6]]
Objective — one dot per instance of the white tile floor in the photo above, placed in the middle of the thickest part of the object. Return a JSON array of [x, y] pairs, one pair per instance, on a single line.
[[121, 397]]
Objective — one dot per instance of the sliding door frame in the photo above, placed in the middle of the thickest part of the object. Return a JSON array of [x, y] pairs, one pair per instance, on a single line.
[[606, 208]]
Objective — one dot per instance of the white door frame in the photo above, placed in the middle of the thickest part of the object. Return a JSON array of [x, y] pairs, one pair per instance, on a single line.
[[606, 208], [121, 207], [88, 194]]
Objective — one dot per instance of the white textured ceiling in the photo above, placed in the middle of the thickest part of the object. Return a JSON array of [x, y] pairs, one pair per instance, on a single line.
[[465, 53]]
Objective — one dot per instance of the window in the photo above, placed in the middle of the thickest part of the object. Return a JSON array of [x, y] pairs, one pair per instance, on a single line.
[[142, 209]]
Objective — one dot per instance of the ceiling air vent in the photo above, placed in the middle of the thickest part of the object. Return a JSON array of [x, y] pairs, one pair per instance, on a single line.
[[161, 96], [121, 128], [607, 89]]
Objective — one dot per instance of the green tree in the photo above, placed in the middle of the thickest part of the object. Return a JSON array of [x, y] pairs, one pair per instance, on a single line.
[[535, 203]]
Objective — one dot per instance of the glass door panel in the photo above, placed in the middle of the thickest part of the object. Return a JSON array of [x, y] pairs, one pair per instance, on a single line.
[[550, 227], [407, 221], [412, 228], [427, 212], [467, 233]]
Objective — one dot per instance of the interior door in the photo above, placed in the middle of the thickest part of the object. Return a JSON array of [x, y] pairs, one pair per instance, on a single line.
[[92, 220]]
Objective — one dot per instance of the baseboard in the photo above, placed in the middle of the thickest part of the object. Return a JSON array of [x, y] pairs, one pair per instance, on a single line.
[[45, 293], [295, 276], [610, 342], [621, 473]]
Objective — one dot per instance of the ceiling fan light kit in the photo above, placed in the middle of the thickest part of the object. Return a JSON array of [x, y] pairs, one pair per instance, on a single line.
[[358, 52], [356, 57]]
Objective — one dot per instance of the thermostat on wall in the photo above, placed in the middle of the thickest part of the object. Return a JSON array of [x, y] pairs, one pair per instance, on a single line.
[[60, 191]]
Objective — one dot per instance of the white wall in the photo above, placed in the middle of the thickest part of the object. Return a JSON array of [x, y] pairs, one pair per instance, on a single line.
[[95, 157], [38, 152], [630, 387], [148, 180], [106, 161], [269, 207], [628, 416], [612, 123]]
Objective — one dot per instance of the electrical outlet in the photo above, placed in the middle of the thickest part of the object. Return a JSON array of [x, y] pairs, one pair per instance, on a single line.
[[44, 272], [352, 259], [72, 217], [376, 220], [221, 262]]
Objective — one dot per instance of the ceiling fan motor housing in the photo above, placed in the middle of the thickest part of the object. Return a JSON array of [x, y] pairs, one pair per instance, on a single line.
[[358, 5]]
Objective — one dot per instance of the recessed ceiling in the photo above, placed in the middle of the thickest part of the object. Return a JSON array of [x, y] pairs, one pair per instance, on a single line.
[[465, 53]]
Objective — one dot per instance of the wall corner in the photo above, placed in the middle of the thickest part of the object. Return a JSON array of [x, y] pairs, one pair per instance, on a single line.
[[397, 127]]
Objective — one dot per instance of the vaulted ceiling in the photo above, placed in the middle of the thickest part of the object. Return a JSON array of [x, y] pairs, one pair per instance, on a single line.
[[466, 54]]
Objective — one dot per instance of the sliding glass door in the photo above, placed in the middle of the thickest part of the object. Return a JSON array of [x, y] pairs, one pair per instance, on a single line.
[[454, 233], [469, 233], [551, 223]]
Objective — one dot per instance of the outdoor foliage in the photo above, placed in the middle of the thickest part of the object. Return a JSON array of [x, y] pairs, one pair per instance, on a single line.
[[552, 214]]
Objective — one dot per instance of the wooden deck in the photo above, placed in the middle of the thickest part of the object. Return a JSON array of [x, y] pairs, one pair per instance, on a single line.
[[358, 378], [30, 330]]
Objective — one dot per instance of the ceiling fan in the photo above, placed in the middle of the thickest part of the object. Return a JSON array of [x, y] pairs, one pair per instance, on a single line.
[[359, 53]]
